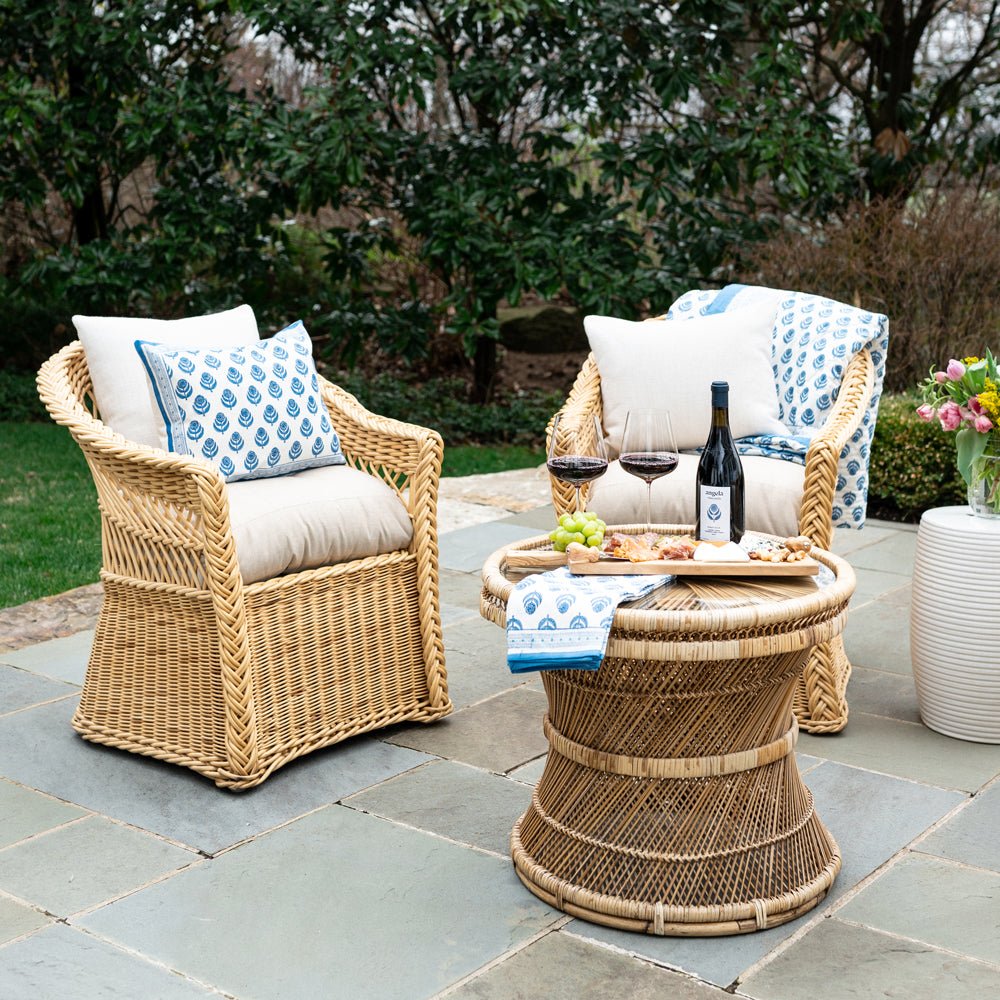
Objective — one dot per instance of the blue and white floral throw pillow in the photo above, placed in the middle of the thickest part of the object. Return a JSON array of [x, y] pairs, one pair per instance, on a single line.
[[254, 411]]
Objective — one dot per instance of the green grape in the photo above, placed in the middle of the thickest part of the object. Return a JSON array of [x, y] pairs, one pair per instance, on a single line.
[[578, 537], [595, 541]]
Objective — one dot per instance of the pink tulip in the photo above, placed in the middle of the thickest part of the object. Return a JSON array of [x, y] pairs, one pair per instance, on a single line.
[[975, 406], [950, 416], [955, 370], [983, 423], [940, 377], [926, 412]]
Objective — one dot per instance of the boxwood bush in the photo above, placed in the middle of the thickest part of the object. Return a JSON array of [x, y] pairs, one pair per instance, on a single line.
[[912, 463]]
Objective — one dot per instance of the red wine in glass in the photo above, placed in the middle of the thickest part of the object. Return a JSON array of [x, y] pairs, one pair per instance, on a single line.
[[648, 449], [577, 469], [649, 465], [576, 453]]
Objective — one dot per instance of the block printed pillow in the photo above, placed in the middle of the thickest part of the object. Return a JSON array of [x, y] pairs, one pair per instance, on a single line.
[[671, 365], [124, 399], [254, 411]]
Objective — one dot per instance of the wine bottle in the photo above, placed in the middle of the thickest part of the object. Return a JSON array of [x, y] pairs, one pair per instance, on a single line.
[[719, 484]]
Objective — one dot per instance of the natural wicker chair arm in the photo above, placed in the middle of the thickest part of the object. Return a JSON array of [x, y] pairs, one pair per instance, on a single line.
[[137, 484], [816, 512], [406, 456]]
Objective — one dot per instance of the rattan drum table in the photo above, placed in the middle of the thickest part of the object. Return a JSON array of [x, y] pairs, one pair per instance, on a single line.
[[671, 802]]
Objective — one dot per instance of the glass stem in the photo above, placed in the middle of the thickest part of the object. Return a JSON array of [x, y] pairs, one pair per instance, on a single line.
[[578, 508], [649, 504]]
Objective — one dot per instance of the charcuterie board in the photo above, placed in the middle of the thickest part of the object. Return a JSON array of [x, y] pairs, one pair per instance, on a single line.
[[544, 559]]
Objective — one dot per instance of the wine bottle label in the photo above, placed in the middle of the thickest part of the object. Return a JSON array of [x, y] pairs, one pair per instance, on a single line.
[[714, 514]]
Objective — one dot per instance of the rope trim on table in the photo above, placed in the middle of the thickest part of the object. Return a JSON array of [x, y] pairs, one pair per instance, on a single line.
[[670, 767]]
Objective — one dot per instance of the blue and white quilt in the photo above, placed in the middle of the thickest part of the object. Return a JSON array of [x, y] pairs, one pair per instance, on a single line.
[[558, 621], [813, 341]]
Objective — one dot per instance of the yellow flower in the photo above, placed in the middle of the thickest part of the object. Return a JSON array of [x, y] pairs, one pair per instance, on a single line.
[[970, 361], [989, 400]]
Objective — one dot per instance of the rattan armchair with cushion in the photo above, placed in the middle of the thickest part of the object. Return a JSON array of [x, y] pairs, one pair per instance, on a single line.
[[198, 661], [810, 494]]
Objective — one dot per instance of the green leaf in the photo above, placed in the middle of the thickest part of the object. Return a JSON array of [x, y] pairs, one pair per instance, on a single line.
[[970, 446]]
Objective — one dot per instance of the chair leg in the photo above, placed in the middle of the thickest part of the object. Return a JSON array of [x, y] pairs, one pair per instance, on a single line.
[[820, 702]]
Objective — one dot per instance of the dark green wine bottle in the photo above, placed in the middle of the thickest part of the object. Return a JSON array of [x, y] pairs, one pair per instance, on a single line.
[[719, 506]]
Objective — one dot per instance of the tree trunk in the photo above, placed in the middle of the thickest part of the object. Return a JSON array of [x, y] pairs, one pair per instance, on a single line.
[[484, 369], [90, 217]]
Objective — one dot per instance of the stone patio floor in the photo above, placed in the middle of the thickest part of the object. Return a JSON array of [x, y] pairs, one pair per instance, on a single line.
[[379, 868]]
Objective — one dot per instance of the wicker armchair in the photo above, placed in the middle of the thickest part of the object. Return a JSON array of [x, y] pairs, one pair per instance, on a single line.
[[820, 698], [194, 667]]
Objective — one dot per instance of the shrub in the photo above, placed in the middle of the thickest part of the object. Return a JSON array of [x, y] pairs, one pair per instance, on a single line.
[[913, 464], [19, 400], [442, 403], [933, 268]]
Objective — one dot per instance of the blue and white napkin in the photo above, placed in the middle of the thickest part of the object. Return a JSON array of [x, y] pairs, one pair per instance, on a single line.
[[558, 621]]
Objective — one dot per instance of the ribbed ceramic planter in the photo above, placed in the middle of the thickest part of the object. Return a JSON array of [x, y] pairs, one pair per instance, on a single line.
[[955, 624]]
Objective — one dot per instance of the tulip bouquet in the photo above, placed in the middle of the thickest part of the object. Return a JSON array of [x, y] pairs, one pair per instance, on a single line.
[[965, 398]]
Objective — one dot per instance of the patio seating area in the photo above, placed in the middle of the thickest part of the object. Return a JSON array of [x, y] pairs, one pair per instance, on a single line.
[[380, 867]]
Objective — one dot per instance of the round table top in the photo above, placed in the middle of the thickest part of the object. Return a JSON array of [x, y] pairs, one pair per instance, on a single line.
[[706, 606], [961, 520]]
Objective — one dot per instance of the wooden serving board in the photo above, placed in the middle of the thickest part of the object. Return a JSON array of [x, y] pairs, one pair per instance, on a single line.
[[543, 559]]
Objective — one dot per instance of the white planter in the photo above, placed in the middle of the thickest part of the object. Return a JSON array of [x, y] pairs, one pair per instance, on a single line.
[[955, 624]]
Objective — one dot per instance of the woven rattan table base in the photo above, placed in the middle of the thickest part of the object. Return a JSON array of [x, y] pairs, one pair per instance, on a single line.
[[671, 802]]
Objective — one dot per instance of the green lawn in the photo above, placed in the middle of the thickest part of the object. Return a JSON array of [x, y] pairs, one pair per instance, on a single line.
[[50, 530]]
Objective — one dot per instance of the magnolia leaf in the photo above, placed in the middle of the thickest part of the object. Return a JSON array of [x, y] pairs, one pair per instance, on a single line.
[[970, 446]]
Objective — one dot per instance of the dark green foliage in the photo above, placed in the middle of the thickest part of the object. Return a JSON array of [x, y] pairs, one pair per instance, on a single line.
[[19, 398], [913, 465], [517, 418]]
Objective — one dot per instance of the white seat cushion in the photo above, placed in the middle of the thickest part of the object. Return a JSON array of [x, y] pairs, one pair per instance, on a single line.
[[773, 495], [313, 518], [121, 388]]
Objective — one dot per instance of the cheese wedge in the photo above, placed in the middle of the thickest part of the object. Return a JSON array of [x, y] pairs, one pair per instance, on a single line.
[[713, 552]]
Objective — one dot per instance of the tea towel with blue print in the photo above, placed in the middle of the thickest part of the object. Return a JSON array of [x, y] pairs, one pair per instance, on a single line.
[[812, 343], [558, 621]]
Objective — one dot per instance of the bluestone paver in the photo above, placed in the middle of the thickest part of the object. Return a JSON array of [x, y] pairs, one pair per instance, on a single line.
[[907, 750], [838, 961], [878, 636], [462, 803], [560, 966], [499, 734], [61, 659], [893, 552], [880, 692], [16, 920], [39, 748], [476, 658], [336, 905], [61, 962], [467, 548], [941, 903], [25, 812], [85, 863], [972, 835], [21, 688]]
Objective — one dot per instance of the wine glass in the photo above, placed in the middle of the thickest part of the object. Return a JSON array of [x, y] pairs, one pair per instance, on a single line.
[[576, 451], [649, 449]]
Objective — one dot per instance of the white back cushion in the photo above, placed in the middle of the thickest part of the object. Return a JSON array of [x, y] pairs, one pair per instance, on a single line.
[[121, 387], [671, 364]]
